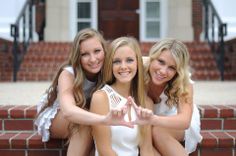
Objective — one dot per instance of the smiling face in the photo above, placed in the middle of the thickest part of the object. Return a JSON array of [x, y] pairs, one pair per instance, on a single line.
[[124, 64], [92, 56], [163, 68]]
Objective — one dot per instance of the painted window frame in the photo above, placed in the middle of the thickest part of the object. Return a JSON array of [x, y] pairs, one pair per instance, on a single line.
[[73, 16], [163, 20]]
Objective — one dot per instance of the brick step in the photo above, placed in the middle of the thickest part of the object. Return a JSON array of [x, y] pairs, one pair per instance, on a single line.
[[30, 144], [202, 65], [50, 55], [213, 117], [206, 75], [18, 136], [216, 143]]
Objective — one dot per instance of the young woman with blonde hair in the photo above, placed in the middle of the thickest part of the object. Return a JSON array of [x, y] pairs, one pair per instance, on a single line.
[[177, 119], [124, 81]]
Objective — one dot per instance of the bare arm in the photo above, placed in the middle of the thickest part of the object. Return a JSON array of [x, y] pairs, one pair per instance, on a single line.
[[146, 147], [68, 106], [101, 134], [180, 121]]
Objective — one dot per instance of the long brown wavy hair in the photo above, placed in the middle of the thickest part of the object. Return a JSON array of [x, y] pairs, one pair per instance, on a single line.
[[74, 62]]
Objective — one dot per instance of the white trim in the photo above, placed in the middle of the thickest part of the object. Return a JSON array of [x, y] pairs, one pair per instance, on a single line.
[[73, 18], [94, 14], [142, 24], [163, 19]]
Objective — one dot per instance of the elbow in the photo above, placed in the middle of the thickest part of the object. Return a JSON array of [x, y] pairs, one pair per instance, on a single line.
[[186, 125], [66, 114]]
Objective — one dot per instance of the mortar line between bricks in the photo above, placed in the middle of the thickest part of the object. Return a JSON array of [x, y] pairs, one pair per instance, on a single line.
[[60, 152], [26, 152], [231, 137], [3, 125], [28, 108], [198, 152], [217, 130], [218, 111], [15, 131], [25, 112], [217, 140], [9, 112], [222, 124], [233, 110], [27, 140], [10, 140]]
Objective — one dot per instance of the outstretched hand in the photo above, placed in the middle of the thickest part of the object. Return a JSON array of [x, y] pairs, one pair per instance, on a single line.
[[143, 114], [116, 116]]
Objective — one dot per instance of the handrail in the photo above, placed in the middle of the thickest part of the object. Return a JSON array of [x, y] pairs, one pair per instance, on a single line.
[[19, 49], [218, 48]]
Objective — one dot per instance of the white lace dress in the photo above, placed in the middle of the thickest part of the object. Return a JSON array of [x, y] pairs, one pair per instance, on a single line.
[[192, 134], [43, 121], [124, 140]]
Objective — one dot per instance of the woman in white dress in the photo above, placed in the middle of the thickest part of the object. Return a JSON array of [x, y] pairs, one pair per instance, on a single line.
[[62, 111], [171, 89], [123, 79]]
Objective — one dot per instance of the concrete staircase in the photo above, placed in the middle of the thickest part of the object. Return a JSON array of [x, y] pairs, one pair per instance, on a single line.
[[19, 138]]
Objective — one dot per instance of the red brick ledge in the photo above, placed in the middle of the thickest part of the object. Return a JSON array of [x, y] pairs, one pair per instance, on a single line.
[[28, 140], [18, 136], [206, 111]]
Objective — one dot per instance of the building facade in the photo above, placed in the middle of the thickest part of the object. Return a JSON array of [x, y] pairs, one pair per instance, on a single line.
[[147, 20]]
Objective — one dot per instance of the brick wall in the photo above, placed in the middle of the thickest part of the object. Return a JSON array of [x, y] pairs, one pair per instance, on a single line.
[[6, 60], [197, 17], [230, 59]]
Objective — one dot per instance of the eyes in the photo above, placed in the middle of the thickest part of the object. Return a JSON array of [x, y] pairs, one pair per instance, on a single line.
[[86, 53], [164, 63], [118, 61]]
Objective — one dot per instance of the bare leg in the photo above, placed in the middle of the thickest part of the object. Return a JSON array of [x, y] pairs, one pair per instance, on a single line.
[[81, 142], [59, 127], [167, 141]]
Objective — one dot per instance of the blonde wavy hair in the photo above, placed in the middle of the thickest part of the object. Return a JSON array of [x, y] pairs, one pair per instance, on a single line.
[[177, 86]]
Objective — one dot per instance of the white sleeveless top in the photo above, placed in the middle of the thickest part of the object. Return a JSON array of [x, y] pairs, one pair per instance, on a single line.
[[43, 122], [192, 134], [124, 140]]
